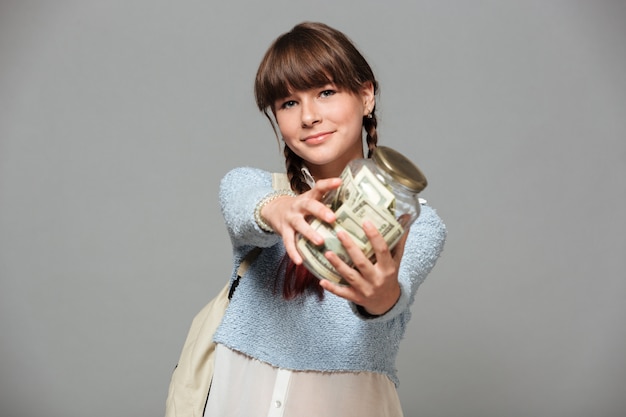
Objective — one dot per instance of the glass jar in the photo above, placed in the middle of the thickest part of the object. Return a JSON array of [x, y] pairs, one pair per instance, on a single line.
[[383, 190]]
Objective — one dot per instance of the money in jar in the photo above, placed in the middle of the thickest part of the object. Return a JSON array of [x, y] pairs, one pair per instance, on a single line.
[[382, 189]]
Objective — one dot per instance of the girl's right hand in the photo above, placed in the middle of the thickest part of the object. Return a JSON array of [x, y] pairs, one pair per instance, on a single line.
[[288, 215]]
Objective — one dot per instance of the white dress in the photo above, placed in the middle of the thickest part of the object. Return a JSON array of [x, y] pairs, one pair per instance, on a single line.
[[245, 387]]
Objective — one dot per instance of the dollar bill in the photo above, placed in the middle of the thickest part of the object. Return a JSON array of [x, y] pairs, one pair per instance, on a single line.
[[349, 192], [373, 189]]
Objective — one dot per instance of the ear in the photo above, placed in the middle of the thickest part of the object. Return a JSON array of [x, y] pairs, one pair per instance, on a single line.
[[368, 96]]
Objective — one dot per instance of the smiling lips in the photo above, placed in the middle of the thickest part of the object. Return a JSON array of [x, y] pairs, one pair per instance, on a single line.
[[317, 137]]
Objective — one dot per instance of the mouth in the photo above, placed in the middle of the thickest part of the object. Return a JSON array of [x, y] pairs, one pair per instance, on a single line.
[[317, 137]]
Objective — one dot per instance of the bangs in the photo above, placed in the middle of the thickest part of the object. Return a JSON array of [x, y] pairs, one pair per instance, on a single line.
[[296, 70], [302, 60]]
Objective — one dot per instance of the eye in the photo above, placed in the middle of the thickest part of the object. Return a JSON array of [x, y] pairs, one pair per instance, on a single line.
[[327, 93], [288, 104]]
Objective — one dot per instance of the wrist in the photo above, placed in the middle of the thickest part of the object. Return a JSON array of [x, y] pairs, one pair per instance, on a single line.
[[260, 220], [366, 314], [372, 313]]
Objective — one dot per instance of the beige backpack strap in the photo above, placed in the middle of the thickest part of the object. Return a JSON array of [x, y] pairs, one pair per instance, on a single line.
[[280, 181], [247, 260], [243, 267]]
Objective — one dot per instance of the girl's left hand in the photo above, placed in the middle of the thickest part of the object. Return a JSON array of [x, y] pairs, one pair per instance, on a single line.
[[373, 286]]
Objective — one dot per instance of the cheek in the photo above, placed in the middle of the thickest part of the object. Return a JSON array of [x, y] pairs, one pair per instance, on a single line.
[[289, 137], [355, 121], [351, 113], [286, 134], [286, 126]]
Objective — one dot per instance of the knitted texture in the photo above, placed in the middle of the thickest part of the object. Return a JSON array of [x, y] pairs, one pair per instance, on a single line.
[[306, 333]]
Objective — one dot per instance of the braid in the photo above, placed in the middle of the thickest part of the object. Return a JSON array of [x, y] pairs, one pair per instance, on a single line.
[[293, 164], [298, 279], [369, 124]]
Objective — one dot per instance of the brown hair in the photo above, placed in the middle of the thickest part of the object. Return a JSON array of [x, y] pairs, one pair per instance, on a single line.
[[311, 55]]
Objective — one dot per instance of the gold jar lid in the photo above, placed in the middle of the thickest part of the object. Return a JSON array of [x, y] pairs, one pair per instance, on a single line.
[[399, 168]]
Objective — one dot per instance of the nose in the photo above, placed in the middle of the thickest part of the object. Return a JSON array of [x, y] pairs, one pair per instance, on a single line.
[[310, 114]]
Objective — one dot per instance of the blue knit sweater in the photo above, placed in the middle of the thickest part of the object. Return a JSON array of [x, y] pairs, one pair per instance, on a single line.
[[306, 333]]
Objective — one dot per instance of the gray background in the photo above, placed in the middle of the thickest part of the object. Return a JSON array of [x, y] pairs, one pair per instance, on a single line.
[[118, 118]]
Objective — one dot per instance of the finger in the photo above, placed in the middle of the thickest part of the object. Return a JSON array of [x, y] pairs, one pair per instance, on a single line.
[[398, 250], [323, 186], [351, 275], [317, 209], [342, 291], [359, 259], [289, 242], [379, 245], [304, 211], [294, 219], [316, 195], [299, 224]]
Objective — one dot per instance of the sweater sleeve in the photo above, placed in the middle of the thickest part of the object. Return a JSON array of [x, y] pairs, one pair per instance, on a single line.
[[423, 247], [241, 189]]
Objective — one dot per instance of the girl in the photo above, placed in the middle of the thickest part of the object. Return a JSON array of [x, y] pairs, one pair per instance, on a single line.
[[290, 344]]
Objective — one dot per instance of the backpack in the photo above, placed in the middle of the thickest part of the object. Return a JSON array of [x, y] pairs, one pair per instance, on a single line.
[[191, 380]]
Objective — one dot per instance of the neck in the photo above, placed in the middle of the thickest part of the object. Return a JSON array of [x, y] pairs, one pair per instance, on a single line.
[[333, 169], [322, 172]]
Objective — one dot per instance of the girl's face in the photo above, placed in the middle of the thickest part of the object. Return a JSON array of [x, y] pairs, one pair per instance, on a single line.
[[324, 126]]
